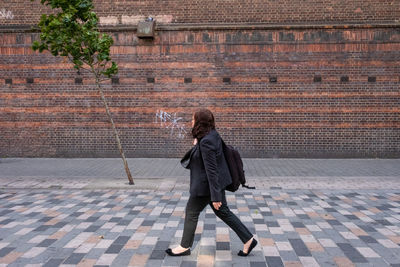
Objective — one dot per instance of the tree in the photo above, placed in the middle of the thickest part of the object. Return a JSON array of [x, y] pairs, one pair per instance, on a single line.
[[73, 33]]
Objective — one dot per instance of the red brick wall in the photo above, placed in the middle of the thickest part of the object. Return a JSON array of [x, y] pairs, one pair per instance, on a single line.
[[275, 92], [294, 116]]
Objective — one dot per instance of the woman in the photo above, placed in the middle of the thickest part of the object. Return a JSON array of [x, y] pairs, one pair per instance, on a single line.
[[209, 175]]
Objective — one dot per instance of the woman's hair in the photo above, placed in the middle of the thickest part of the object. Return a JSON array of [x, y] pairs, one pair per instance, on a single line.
[[203, 123]]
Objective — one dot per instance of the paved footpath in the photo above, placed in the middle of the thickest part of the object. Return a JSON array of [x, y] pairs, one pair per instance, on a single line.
[[304, 213], [167, 174]]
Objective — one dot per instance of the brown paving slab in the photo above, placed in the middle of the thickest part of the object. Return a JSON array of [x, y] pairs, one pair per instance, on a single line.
[[326, 216], [52, 222], [93, 239], [10, 257], [347, 200], [267, 242], [374, 210], [312, 214], [146, 211], [20, 210], [243, 209], [231, 199], [358, 231], [223, 238], [292, 264], [143, 229], [284, 196], [55, 213], [87, 263], [314, 246], [343, 262], [139, 260], [117, 208], [176, 196], [108, 194], [259, 198], [302, 231], [319, 194], [395, 198], [48, 212], [12, 198], [91, 212], [359, 214], [132, 244], [394, 238], [199, 230], [58, 235], [205, 260], [276, 211], [177, 213]]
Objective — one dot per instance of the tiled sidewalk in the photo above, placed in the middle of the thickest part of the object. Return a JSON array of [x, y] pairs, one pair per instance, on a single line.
[[112, 168], [165, 174], [134, 227]]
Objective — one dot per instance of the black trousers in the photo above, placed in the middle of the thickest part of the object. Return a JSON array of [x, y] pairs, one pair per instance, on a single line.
[[196, 205]]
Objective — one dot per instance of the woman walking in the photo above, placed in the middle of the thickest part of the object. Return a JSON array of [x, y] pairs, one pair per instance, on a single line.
[[209, 176]]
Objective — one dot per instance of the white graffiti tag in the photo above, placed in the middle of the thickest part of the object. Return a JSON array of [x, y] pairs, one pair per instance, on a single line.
[[6, 14], [170, 121]]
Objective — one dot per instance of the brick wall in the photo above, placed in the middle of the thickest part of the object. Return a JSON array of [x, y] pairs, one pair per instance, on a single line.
[[276, 92], [224, 11]]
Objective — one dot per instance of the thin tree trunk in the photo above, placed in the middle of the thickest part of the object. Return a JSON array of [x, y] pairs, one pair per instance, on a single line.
[[128, 172]]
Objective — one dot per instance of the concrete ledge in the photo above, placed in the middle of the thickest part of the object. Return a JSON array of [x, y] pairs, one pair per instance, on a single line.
[[182, 184], [219, 26]]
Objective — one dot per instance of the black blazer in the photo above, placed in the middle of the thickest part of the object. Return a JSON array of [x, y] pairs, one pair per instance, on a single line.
[[209, 173]]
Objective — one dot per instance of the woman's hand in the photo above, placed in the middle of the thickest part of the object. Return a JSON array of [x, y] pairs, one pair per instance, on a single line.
[[195, 141], [217, 205]]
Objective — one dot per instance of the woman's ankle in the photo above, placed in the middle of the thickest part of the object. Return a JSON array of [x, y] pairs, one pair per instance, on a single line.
[[249, 241], [179, 249]]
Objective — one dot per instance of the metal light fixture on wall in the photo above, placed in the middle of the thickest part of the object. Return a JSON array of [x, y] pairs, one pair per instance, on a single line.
[[145, 29]]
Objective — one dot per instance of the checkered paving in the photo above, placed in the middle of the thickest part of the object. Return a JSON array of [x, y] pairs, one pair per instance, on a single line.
[[133, 228]]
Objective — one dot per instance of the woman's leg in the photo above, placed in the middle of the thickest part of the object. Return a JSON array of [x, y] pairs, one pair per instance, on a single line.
[[226, 215], [194, 206]]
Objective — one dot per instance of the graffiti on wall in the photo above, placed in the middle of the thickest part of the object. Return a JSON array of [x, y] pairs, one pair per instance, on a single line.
[[172, 122], [6, 14]]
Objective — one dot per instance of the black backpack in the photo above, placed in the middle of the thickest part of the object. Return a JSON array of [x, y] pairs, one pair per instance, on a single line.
[[235, 165]]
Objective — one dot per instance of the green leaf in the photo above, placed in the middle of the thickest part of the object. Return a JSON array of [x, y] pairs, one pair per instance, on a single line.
[[113, 70], [71, 31], [35, 45]]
